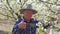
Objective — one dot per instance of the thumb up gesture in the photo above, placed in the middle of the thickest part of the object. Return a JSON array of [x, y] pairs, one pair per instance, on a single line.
[[22, 24]]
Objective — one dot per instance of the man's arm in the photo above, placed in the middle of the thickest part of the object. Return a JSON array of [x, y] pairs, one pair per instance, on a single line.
[[15, 27], [19, 26]]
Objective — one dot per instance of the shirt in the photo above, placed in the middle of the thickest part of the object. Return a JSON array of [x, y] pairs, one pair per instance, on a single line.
[[30, 27]]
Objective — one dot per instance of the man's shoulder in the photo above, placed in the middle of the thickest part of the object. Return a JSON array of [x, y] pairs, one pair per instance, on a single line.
[[18, 20], [34, 20]]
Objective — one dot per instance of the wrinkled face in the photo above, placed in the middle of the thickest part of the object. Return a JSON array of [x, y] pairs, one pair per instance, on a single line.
[[27, 14]]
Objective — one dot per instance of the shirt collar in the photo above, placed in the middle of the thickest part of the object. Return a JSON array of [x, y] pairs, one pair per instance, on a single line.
[[26, 20]]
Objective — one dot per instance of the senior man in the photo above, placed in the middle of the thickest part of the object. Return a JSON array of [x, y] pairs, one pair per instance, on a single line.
[[27, 24]]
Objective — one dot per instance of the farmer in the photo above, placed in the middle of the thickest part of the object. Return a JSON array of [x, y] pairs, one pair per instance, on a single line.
[[27, 24]]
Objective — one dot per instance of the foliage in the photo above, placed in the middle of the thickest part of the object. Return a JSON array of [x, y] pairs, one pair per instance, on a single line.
[[9, 9]]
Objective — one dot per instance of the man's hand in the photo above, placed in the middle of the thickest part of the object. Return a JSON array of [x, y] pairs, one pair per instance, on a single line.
[[22, 24]]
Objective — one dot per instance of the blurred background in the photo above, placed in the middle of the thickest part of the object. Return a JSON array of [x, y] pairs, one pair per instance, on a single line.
[[48, 15]]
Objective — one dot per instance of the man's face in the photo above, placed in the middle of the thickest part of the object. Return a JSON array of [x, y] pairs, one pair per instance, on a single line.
[[27, 14]]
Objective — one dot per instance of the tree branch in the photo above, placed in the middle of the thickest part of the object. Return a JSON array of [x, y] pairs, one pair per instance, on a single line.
[[23, 3], [12, 11], [5, 15], [20, 8], [49, 3]]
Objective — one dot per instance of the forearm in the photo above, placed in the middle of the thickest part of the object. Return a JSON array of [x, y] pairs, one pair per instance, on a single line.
[[16, 30]]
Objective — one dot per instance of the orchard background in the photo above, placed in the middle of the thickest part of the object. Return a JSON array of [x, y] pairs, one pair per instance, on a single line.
[[48, 13]]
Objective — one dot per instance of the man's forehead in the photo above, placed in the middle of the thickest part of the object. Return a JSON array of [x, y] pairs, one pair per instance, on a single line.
[[27, 10]]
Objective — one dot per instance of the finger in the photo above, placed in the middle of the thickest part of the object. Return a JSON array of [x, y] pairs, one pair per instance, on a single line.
[[22, 20]]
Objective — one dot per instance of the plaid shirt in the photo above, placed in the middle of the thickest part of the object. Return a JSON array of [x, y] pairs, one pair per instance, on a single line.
[[30, 27]]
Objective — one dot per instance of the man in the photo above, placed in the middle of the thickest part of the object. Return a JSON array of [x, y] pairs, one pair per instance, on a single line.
[[26, 25]]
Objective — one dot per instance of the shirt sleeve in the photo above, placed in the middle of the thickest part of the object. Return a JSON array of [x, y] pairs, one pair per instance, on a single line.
[[35, 22], [15, 27]]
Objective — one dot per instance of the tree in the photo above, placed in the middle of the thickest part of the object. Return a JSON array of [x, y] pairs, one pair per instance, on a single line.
[[46, 9]]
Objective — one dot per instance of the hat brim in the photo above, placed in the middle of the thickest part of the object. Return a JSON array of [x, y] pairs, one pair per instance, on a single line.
[[22, 10]]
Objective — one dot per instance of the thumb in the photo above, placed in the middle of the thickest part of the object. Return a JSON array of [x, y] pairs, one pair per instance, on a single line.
[[22, 20]]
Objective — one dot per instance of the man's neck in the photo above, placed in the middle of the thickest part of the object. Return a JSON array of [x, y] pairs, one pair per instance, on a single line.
[[28, 20]]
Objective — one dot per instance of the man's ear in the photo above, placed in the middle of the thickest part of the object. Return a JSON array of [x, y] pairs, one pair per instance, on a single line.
[[22, 12]]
